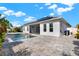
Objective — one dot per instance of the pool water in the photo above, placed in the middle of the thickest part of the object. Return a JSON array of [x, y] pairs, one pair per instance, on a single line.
[[18, 37]]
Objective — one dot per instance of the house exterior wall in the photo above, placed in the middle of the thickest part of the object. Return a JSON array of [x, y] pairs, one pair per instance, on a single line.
[[63, 27], [56, 29], [25, 29]]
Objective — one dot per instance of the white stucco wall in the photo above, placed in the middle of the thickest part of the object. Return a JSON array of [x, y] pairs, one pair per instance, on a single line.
[[56, 29], [25, 29], [63, 27]]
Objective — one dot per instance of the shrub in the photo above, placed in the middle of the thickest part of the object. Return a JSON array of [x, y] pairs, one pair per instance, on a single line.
[[0, 44], [2, 37], [77, 35], [17, 29]]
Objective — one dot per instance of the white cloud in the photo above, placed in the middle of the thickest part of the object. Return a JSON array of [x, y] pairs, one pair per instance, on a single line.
[[64, 9], [41, 7], [2, 16], [16, 24], [30, 19], [9, 12], [60, 1], [61, 10], [67, 2], [47, 4], [54, 6], [3, 8], [19, 14], [51, 14]]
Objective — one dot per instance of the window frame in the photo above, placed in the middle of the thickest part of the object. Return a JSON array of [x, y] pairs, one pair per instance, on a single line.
[[51, 27], [44, 27]]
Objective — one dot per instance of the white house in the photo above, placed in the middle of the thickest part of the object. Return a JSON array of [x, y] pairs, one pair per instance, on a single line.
[[50, 26], [72, 30]]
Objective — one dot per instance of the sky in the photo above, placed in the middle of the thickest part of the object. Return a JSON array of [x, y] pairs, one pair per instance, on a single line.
[[21, 13]]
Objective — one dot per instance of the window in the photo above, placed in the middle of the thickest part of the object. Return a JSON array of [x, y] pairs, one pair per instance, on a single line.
[[44, 27], [51, 27]]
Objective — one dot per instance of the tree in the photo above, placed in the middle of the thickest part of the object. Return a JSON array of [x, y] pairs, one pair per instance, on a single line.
[[4, 25], [17, 29], [77, 34], [77, 26]]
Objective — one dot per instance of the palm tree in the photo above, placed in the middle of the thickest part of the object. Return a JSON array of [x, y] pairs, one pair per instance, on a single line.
[[4, 24]]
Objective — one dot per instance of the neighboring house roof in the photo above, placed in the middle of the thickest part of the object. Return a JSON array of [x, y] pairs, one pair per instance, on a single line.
[[47, 19]]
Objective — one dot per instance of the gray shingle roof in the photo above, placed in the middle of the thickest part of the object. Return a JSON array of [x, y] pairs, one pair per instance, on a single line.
[[44, 19]]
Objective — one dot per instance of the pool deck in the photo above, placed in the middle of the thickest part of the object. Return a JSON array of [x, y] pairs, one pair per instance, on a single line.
[[46, 46]]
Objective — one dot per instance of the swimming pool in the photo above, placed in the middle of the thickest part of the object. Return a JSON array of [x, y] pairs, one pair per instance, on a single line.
[[18, 37]]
